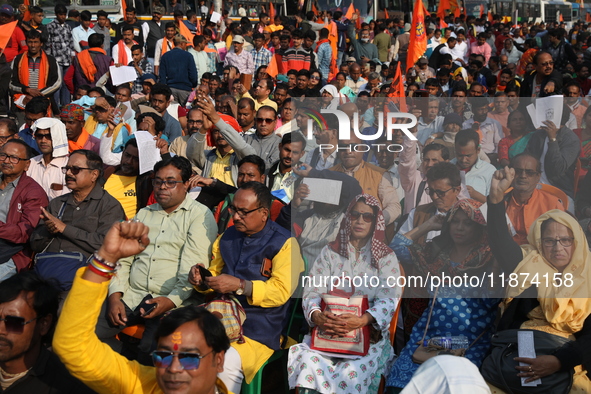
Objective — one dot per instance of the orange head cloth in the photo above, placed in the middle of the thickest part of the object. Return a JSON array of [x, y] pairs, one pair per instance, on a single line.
[[228, 120]]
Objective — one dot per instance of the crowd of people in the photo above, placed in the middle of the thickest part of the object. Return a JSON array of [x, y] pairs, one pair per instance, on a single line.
[[212, 175]]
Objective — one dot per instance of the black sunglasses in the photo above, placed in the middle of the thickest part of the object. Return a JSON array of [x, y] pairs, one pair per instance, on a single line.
[[265, 120], [74, 170], [16, 324], [189, 361], [367, 217]]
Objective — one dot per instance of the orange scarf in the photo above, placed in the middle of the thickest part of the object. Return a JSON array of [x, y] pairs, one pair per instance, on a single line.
[[79, 144], [123, 60], [165, 43], [86, 63], [23, 71]]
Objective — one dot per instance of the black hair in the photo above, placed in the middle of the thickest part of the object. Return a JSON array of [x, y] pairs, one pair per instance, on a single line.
[[257, 35], [97, 90], [45, 297], [537, 56], [111, 101], [126, 28], [297, 34], [178, 162], [28, 149], [337, 15], [304, 72], [160, 88], [85, 16], [159, 123], [292, 72], [442, 149], [96, 40], [445, 170], [178, 13], [10, 124], [35, 9], [124, 86], [169, 25], [37, 105], [73, 14], [137, 48], [262, 192], [129, 10], [295, 136], [102, 13], [132, 142], [268, 82], [197, 40], [93, 160], [463, 138], [35, 34], [190, 14], [256, 160], [60, 9]]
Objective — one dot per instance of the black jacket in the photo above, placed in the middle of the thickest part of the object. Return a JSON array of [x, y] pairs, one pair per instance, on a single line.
[[528, 84]]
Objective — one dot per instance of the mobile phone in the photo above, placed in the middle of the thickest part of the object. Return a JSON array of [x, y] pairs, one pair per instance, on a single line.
[[204, 273], [149, 310]]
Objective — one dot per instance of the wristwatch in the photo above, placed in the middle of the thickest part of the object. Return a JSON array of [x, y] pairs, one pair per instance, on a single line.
[[240, 290], [553, 139]]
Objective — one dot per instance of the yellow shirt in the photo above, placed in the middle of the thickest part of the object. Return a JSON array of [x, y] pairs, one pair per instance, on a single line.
[[88, 359], [258, 105], [123, 189], [221, 168]]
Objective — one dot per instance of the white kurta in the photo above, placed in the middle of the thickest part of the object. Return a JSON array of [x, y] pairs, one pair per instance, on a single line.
[[309, 369]]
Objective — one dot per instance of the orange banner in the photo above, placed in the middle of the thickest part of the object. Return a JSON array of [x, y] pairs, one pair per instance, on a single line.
[[418, 36], [6, 32]]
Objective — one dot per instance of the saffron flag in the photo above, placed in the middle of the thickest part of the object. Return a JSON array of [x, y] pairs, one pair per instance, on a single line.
[[442, 24], [185, 32], [455, 7], [272, 69], [350, 12], [386, 15], [418, 36], [314, 9], [561, 19], [27, 14], [123, 7], [271, 11], [588, 18], [5, 34], [443, 7], [490, 17], [397, 90]]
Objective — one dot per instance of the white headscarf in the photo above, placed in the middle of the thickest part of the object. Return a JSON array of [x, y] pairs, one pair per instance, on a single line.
[[338, 98], [59, 138]]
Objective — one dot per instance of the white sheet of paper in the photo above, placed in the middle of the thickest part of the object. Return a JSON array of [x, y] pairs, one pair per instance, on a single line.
[[526, 348], [149, 154], [324, 190], [123, 74], [549, 108], [531, 110], [215, 17]]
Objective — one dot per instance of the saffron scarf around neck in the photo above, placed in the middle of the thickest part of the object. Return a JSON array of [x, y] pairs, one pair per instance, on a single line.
[[165, 43], [23, 71], [87, 64], [122, 58], [80, 142]]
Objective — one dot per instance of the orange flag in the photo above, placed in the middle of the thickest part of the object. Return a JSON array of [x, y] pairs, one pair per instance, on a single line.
[[442, 24], [560, 18], [443, 7], [6, 32], [588, 18], [272, 68], [386, 15], [185, 32], [350, 12], [418, 36], [490, 17], [358, 20], [27, 14], [425, 10], [124, 7], [397, 90], [481, 10], [314, 9], [271, 11]]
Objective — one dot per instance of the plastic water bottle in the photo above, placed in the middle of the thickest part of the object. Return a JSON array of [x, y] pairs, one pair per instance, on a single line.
[[449, 342]]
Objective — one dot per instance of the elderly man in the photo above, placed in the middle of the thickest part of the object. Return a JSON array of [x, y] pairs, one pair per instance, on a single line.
[[21, 201], [29, 305], [263, 290], [545, 80], [240, 58], [220, 163], [46, 168], [78, 221], [513, 54], [72, 115], [181, 233]]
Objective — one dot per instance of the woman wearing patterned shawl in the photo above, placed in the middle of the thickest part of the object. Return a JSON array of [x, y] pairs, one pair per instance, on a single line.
[[557, 248], [461, 249], [359, 251]]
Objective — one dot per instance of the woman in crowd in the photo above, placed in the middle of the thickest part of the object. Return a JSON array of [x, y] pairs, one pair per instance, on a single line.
[[358, 250], [340, 81], [584, 134], [557, 248], [462, 248], [314, 84], [331, 97], [520, 125]]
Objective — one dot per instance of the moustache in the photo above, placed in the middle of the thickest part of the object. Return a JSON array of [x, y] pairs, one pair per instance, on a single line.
[[69, 178], [6, 342]]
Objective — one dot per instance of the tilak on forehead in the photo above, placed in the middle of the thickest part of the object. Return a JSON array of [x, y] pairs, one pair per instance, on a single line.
[[177, 339]]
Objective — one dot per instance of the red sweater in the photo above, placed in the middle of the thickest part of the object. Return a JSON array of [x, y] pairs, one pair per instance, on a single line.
[[16, 45], [23, 217]]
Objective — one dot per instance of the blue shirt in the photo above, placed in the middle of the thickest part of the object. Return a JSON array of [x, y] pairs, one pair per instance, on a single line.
[[27, 136], [178, 70], [173, 128]]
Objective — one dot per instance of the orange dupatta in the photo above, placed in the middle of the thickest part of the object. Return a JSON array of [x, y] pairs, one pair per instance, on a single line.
[[122, 58], [86, 63], [23, 71], [79, 144], [165, 45]]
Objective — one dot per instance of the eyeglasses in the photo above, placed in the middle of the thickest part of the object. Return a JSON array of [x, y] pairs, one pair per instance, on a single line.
[[3, 138], [265, 120], [16, 324], [440, 193], [189, 121], [367, 216], [550, 242], [73, 169], [547, 64], [170, 184], [12, 159], [188, 361], [522, 171], [241, 212], [42, 136]]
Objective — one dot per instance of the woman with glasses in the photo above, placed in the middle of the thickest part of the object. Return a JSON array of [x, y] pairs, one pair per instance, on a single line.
[[314, 84], [559, 305], [358, 251], [464, 309]]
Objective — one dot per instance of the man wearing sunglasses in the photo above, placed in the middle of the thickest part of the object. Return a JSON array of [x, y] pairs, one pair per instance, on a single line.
[[545, 80], [87, 212], [28, 313], [182, 231], [191, 342], [259, 262], [21, 199]]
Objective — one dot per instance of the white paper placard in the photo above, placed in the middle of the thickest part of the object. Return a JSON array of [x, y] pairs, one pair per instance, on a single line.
[[148, 153], [324, 190], [123, 74]]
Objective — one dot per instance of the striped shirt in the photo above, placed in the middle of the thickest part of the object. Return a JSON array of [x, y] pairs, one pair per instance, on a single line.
[[34, 65], [261, 57]]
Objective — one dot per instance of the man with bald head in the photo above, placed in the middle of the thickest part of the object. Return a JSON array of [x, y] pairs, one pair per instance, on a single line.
[[371, 178], [355, 81]]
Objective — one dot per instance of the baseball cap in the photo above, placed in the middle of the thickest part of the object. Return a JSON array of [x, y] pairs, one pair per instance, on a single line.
[[158, 10], [238, 39], [7, 9]]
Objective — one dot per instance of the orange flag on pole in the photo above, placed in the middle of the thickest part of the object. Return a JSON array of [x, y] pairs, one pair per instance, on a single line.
[[27, 14], [271, 11], [443, 7], [314, 9], [588, 18], [490, 17], [442, 24], [350, 12], [6, 32], [397, 89], [418, 36], [561, 19], [386, 15], [272, 69]]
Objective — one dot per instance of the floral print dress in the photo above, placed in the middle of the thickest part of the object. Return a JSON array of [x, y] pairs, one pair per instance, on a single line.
[[308, 368]]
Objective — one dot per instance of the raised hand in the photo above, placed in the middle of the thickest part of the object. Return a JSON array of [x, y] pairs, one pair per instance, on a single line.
[[501, 182]]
